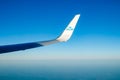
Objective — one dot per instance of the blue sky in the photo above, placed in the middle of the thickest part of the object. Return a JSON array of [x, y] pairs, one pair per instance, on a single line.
[[97, 34]]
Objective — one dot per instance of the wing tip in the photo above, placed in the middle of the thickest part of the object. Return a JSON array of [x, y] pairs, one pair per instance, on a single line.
[[77, 14], [67, 33]]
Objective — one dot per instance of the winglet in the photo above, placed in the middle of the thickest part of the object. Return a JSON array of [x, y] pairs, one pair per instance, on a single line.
[[67, 33]]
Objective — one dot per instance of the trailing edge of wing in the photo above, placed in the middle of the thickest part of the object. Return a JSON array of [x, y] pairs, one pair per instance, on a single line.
[[67, 33]]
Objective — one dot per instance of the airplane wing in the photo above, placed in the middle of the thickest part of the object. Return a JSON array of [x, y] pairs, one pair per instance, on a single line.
[[62, 38]]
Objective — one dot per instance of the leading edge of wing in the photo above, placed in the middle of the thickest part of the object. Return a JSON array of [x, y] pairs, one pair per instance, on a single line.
[[67, 33]]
